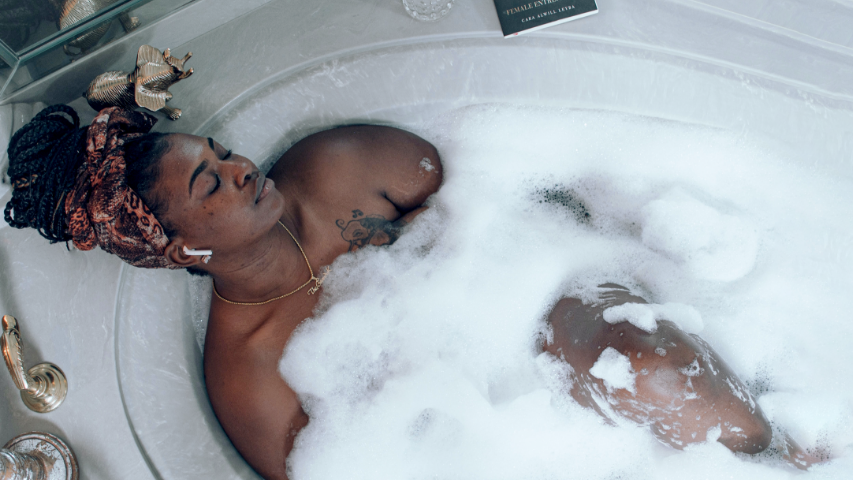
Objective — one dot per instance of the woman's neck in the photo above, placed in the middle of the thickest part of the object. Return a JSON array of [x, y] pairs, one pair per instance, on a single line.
[[272, 267]]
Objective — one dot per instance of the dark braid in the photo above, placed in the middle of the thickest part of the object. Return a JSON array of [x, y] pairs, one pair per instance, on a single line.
[[44, 156]]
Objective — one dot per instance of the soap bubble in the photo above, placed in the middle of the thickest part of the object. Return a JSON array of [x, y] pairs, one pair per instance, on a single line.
[[423, 359]]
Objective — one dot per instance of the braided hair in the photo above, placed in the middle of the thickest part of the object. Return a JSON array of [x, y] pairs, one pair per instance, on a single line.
[[44, 158]]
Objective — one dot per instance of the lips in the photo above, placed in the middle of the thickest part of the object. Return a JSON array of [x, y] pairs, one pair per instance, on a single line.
[[264, 186]]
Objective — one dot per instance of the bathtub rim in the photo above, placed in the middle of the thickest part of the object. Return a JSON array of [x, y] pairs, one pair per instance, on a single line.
[[555, 36]]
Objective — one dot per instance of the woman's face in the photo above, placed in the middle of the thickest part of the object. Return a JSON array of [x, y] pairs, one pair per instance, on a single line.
[[215, 199]]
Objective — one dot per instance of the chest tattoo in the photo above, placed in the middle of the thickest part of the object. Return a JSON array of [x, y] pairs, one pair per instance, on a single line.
[[363, 230]]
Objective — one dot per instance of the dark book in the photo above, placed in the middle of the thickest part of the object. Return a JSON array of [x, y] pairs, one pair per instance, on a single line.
[[522, 16]]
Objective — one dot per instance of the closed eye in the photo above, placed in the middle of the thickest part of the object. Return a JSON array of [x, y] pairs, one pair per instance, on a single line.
[[216, 187], [218, 178]]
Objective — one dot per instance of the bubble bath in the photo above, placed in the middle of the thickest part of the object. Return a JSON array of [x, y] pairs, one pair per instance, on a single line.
[[422, 359]]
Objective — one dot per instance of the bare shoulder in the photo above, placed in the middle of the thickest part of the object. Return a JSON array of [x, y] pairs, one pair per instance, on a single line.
[[259, 412], [358, 143], [395, 163]]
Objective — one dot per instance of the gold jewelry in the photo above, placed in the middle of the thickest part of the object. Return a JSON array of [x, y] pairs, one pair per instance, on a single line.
[[318, 282]]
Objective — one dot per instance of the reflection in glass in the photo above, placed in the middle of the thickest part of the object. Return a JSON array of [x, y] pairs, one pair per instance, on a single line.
[[18, 21], [32, 32], [73, 12], [25, 22]]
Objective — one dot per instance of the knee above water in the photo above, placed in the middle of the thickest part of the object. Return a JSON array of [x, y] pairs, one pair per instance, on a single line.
[[684, 382]]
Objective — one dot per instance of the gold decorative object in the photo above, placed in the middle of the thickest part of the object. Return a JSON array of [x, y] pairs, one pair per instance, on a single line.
[[38, 456], [43, 387], [147, 86], [72, 12]]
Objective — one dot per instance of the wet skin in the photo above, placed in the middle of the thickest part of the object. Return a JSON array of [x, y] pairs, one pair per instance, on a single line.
[[683, 388], [336, 191], [346, 188]]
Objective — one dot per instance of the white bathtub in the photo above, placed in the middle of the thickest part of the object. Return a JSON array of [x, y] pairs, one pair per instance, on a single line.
[[744, 68]]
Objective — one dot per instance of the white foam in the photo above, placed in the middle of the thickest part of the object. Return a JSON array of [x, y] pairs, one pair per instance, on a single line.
[[645, 316], [637, 314], [426, 164], [422, 360], [712, 245], [685, 316], [615, 369]]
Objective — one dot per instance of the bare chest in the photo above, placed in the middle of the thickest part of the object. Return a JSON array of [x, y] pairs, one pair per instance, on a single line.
[[347, 223]]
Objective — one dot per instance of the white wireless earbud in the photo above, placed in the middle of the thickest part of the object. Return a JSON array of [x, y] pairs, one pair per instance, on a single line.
[[194, 252]]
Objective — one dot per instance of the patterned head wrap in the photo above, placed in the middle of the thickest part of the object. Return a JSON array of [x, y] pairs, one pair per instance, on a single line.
[[101, 208]]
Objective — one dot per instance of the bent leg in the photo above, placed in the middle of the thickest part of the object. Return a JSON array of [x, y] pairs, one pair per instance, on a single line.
[[682, 387]]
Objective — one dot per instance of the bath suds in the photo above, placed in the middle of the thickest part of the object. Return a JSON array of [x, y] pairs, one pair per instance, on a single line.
[[645, 316], [562, 196], [615, 369], [426, 164], [685, 316], [712, 245], [422, 363], [692, 370], [637, 314]]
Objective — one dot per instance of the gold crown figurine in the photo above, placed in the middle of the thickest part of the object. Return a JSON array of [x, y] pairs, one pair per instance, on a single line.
[[146, 86]]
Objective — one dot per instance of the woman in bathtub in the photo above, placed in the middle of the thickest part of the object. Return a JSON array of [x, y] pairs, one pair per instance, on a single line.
[[181, 201]]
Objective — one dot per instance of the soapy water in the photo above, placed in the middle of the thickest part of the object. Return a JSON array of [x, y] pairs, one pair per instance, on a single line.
[[615, 369], [422, 360]]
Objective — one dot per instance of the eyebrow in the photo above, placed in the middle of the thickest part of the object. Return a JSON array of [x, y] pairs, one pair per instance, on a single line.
[[227, 154], [196, 173]]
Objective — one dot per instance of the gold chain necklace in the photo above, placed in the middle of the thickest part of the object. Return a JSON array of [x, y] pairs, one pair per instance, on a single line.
[[318, 282]]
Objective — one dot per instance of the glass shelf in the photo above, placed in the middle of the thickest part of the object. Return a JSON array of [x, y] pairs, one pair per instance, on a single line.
[[38, 37]]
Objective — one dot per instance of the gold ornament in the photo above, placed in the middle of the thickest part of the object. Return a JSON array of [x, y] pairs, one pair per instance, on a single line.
[[147, 86]]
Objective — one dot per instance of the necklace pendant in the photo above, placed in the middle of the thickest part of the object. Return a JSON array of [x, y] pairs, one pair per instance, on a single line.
[[318, 282]]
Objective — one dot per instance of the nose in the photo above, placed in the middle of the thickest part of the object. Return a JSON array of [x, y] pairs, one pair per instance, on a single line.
[[244, 173]]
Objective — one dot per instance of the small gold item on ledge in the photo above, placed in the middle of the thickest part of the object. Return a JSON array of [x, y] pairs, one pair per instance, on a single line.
[[146, 86], [43, 387]]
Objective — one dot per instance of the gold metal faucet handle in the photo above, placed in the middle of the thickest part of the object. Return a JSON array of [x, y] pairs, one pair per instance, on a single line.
[[43, 387], [13, 352]]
